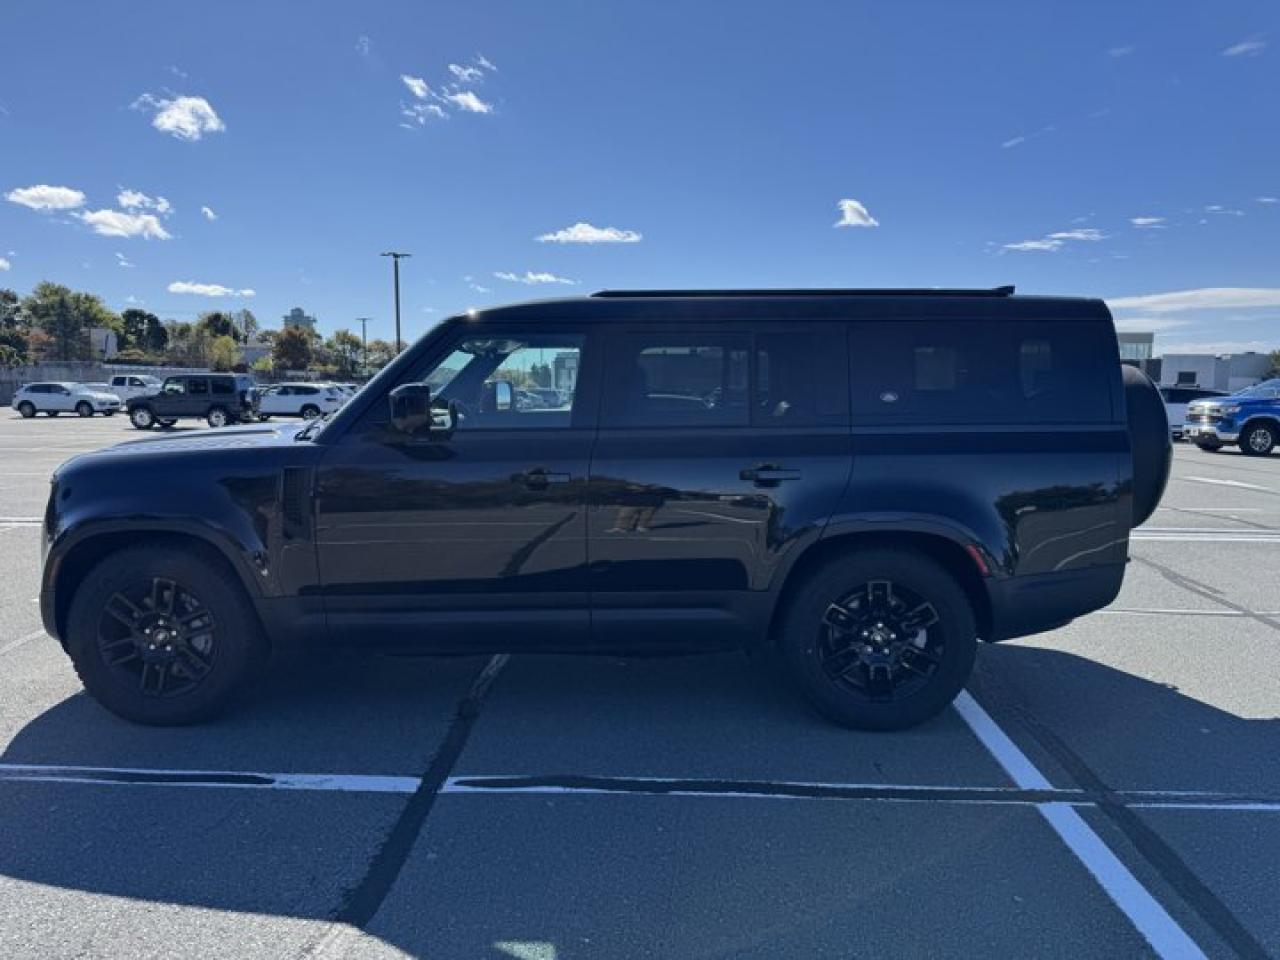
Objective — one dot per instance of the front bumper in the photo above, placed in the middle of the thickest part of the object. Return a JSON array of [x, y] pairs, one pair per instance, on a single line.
[[1222, 431]]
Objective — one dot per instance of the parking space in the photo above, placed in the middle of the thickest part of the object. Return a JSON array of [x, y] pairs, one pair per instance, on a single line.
[[1107, 789]]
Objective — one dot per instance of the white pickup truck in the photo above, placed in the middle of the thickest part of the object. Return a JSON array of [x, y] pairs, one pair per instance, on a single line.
[[126, 386]]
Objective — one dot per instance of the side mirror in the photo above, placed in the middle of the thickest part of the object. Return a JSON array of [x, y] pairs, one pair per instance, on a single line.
[[414, 414]]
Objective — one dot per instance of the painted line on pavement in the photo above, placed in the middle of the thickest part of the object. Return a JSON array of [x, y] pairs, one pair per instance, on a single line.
[[15, 644], [1161, 931], [1228, 483], [1185, 612]]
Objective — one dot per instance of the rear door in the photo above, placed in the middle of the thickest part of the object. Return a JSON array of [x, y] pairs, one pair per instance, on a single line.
[[196, 403], [721, 448]]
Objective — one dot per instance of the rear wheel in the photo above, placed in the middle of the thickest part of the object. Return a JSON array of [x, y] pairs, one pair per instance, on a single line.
[[162, 636], [880, 640], [27, 409], [84, 408], [218, 417], [1258, 441], [142, 418], [310, 412]]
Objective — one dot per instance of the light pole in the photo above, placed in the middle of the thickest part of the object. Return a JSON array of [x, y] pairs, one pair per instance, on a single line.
[[395, 260], [364, 344]]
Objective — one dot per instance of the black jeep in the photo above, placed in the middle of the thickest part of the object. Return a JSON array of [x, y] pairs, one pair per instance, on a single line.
[[866, 482], [217, 398]]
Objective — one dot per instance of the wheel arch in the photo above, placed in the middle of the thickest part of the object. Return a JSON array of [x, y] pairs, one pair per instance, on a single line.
[[86, 553], [948, 553]]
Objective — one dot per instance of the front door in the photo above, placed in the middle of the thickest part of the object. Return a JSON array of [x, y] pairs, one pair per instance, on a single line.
[[719, 451], [474, 540]]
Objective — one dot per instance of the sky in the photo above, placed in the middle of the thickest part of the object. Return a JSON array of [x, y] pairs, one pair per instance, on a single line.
[[186, 157]]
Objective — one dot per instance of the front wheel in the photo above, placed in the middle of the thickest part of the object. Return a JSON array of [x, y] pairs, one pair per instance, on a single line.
[[880, 640], [27, 409], [1258, 441], [218, 417], [310, 412], [142, 418], [162, 636], [84, 408]]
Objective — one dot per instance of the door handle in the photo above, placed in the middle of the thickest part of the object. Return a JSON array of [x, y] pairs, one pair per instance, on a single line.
[[768, 474], [540, 479]]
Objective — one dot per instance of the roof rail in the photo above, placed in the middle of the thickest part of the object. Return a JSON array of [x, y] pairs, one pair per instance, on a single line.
[[1006, 291]]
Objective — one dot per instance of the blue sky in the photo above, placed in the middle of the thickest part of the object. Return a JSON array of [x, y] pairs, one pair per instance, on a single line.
[[1120, 150]]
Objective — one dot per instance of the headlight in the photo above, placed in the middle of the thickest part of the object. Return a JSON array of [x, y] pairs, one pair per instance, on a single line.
[[1230, 408]]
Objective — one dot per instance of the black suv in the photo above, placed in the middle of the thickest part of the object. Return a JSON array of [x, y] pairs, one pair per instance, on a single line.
[[217, 398], [864, 482]]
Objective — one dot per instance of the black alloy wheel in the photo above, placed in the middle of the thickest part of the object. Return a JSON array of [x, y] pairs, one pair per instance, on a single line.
[[158, 635]]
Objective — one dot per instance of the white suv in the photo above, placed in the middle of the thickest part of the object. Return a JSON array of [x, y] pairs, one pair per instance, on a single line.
[[306, 400], [56, 398], [128, 386]]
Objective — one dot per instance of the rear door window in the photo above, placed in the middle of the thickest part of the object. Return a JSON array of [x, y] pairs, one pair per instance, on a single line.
[[197, 386], [223, 387], [974, 371], [677, 379]]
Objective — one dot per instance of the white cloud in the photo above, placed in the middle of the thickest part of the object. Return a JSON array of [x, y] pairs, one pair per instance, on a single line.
[[123, 261], [363, 45], [854, 214], [1246, 48], [529, 277], [117, 223], [134, 199], [1148, 223], [187, 118], [466, 74], [44, 197], [1028, 245], [417, 86], [583, 232], [1203, 298], [471, 282], [207, 289], [1216, 347], [208, 213], [467, 101], [4, 264], [420, 113], [1268, 199], [1087, 233], [1012, 142], [1120, 51], [1145, 324]]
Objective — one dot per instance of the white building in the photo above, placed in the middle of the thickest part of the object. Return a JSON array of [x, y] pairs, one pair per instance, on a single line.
[[1228, 371]]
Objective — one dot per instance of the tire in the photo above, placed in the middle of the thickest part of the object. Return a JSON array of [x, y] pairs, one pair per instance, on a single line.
[[1149, 442], [27, 409], [108, 413], [1258, 440], [175, 674], [84, 408], [1212, 446], [264, 417], [218, 417], [310, 412], [142, 418], [816, 641]]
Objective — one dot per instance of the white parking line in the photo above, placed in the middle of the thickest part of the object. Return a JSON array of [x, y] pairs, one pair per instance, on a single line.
[[230, 779], [1126, 892], [15, 644], [1229, 483], [1186, 612], [21, 520], [1241, 537]]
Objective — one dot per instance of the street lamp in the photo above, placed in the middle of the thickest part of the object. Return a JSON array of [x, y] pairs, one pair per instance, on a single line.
[[395, 260], [364, 343]]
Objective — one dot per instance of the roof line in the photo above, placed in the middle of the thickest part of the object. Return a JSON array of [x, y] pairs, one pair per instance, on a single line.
[[1005, 291]]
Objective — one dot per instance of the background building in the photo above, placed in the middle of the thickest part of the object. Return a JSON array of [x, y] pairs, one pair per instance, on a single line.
[[1228, 371], [297, 317]]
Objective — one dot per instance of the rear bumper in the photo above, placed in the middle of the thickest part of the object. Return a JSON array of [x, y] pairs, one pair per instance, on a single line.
[[1021, 606]]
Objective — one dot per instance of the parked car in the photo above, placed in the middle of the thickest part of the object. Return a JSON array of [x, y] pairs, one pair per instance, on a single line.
[[63, 397], [128, 386], [1249, 418], [217, 398], [1175, 404], [867, 482], [306, 400]]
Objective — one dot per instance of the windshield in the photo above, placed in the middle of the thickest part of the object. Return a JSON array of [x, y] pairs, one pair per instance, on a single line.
[[1265, 389]]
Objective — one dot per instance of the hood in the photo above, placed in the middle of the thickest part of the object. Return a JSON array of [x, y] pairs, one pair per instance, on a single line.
[[249, 436]]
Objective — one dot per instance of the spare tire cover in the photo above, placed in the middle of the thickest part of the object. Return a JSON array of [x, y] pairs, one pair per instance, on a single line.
[[1149, 442]]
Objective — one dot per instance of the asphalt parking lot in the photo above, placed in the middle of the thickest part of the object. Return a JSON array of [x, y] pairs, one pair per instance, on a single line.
[[1108, 789]]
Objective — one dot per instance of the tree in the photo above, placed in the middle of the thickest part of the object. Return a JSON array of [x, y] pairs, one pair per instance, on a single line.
[[224, 353], [219, 324], [380, 354], [1275, 363], [66, 316], [143, 331], [14, 330], [247, 323], [345, 349], [293, 348]]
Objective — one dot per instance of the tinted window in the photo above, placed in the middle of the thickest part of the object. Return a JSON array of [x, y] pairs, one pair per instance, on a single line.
[[197, 386], [305, 391], [965, 371], [800, 379], [672, 379], [223, 386]]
